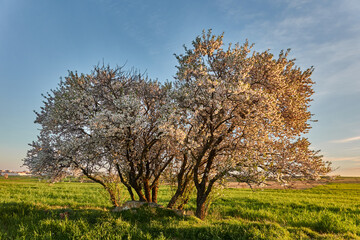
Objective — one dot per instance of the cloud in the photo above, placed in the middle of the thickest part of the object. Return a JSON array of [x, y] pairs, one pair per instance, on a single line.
[[320, 33], [347, 172], [345, 166], [346, 140], [337, 159]]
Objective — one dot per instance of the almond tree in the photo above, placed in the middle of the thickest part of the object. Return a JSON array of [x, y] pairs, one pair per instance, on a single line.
[[242, 114]]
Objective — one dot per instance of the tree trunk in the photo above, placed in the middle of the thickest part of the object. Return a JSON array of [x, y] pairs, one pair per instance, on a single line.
[[131, 193], [174, 199], [111, 193], [202, 194], [201, 207], [126, 184], [183, 180], [147, 190], [142, 198], [155, 191], [178, 194], [204, 186], [112, 197], [184, 201]]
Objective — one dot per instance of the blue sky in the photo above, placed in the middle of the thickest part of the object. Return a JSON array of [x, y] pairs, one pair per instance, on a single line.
[[41, 40]]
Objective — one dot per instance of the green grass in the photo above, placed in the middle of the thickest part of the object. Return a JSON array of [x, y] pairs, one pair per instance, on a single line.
[[30, 209]]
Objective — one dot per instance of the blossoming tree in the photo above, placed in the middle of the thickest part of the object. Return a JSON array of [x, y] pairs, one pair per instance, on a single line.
[[242, 114], [230, 112], [108, 124]]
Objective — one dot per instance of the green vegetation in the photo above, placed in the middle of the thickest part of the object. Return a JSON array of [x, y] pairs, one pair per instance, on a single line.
[[30, 209]]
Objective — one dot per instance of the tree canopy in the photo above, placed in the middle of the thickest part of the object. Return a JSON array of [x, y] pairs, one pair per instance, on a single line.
[[230, 111], [243, 114]]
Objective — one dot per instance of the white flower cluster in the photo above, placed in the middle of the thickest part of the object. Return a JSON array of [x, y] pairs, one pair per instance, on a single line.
[[227, 113]]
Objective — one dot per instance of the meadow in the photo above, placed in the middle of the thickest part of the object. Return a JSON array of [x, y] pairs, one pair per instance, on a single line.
[[33, 209]]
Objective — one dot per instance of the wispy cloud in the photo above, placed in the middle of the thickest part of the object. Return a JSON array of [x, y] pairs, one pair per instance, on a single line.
[[321, 33], [333, 159], [345, 166], [346, 140], [347, 172]]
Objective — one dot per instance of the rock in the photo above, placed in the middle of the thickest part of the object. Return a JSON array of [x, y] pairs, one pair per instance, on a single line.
[[64, 215], [135, 204], [178, 212]]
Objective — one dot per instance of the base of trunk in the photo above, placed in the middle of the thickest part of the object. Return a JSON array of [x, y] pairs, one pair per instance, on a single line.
[[201, 209]]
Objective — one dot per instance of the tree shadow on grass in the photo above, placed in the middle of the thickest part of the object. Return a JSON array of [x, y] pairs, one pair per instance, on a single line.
[[33, 221], [30, 221]]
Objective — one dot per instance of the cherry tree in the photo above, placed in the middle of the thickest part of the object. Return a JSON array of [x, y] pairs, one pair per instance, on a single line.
[[242, 113], [108, 124], [231, 111]]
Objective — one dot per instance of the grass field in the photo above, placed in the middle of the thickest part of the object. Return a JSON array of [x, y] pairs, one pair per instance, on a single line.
[[30, 209]]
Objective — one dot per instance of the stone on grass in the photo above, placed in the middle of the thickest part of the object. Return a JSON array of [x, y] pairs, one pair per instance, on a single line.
[[135, 204]]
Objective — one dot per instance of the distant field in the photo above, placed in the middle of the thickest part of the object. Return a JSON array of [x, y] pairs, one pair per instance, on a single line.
[[30, 209]]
